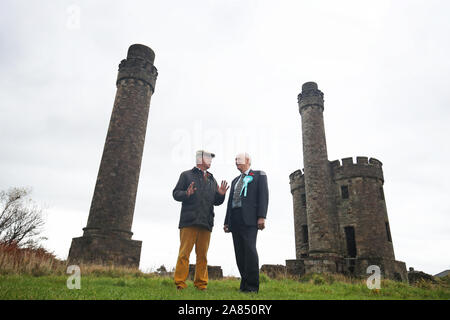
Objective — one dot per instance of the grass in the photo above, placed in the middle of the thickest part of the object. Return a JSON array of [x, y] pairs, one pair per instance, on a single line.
[[152, 287], [37, 274]]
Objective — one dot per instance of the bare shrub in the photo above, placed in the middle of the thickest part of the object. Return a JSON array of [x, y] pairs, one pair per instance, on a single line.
[[21, 219]]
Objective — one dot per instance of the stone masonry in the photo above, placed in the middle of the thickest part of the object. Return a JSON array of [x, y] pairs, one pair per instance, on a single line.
[[214, 272], [107, 236], [340, 215]]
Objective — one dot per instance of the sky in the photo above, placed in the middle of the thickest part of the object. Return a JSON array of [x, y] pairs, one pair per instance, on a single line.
[[229, 75]]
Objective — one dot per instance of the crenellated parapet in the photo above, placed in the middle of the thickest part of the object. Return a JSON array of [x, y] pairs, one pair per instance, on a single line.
[[139, 66], [364, 167], [297, 180], [310, 96]]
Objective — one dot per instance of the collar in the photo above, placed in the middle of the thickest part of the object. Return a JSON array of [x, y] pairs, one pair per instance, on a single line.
[[200, 170], [247, 172]]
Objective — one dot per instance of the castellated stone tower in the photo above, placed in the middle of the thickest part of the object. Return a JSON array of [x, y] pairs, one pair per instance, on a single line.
[[340, 216], [107, 236]]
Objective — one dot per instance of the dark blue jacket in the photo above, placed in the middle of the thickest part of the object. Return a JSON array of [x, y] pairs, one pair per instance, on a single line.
[[255, 204], [197, 209]]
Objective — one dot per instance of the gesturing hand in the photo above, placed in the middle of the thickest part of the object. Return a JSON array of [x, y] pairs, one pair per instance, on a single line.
[[190, 190], [223, 188]]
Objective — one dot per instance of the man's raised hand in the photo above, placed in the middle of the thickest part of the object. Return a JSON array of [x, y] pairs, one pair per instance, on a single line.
[[190, 190], [223, 188]]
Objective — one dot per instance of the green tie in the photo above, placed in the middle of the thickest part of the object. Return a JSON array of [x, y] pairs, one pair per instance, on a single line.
[[237, 190]]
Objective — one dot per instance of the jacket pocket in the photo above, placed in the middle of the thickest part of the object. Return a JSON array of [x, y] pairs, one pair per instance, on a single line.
[[187, 216]]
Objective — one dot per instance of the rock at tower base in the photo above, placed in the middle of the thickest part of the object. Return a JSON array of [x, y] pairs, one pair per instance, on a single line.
[[390, 269], [105, 250]]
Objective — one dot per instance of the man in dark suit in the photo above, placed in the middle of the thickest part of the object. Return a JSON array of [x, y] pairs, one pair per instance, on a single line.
[[246, 214]]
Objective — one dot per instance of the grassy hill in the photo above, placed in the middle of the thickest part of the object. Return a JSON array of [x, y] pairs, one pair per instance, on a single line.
[[30, 274], [144, 286]]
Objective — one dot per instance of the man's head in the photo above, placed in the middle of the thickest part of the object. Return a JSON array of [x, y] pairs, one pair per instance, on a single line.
[[243, 161], [203, 159]]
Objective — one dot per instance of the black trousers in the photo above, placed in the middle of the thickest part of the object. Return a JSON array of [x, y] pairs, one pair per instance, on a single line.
[[244, 240]]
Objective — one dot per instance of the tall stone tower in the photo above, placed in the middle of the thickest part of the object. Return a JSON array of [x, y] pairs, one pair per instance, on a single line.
[[321, 218], [340, 215], [107, 236]]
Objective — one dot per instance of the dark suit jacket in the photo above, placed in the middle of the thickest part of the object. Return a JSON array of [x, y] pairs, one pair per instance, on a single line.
[[255, 204]]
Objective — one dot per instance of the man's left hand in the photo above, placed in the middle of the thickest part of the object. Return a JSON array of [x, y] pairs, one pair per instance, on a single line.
[[223, 188], [261, 223]]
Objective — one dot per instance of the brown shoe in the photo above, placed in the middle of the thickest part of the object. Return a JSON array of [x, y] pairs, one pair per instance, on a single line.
[[202, 289], [180, 288]]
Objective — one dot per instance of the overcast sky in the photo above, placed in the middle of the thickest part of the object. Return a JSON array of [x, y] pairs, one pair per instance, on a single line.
[[229, 76]]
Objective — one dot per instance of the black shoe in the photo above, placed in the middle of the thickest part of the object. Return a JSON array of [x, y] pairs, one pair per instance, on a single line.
[[248, 291]]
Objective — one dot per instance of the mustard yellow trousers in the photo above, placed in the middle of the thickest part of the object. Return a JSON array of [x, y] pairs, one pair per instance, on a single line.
[[190, 236]]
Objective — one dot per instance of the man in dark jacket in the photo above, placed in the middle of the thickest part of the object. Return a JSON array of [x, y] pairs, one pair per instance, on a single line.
[[246, 214], [199, 193]]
